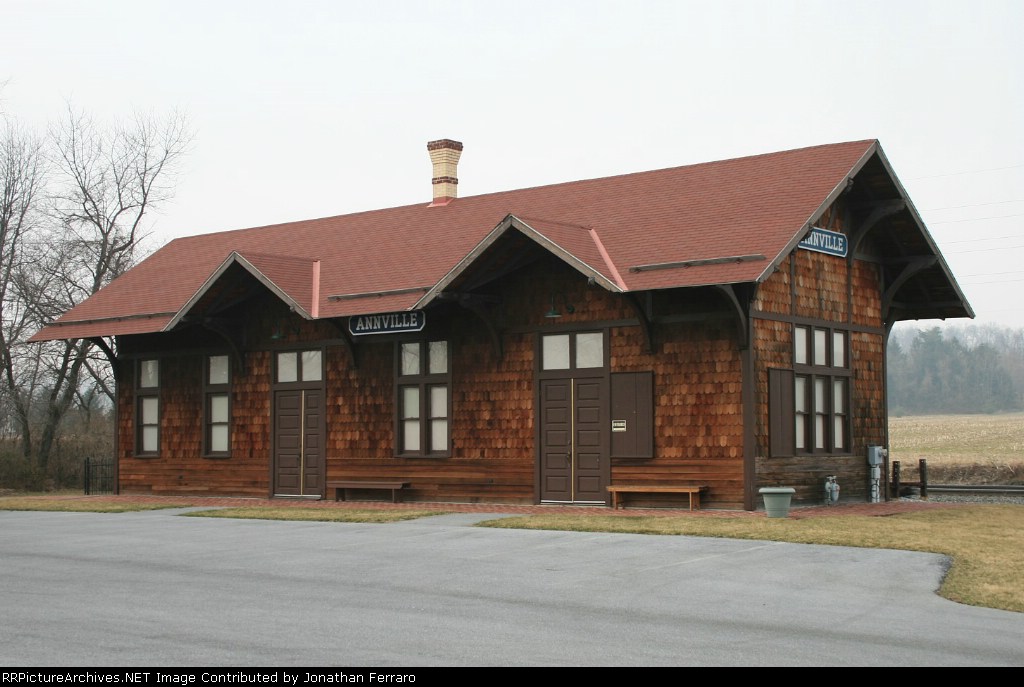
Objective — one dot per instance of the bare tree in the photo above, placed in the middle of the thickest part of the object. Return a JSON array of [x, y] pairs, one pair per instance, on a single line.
[[112, 179], [22, 175], [105, 182]]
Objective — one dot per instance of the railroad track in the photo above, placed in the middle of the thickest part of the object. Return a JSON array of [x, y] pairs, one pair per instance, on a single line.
[[989, 489]]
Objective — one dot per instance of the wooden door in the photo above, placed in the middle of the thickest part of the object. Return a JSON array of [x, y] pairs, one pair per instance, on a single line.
[[299, 464], [574, 464]]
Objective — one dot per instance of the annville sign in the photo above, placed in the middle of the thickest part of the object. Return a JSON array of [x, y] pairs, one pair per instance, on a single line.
[[387, 323], [825, 241]]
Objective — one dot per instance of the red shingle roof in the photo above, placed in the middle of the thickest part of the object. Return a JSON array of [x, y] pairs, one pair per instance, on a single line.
[[751, 206]]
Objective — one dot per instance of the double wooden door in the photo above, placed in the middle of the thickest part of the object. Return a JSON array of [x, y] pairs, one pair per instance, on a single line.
[[574, 452], [299, 465]]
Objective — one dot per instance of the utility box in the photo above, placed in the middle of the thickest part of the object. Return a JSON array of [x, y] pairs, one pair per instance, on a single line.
[[876, 455]]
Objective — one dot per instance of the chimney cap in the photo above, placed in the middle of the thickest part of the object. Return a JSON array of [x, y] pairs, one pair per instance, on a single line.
[[444, 144]]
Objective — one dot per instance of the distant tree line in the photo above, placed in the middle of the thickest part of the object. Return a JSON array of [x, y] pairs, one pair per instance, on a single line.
[[956, 369]]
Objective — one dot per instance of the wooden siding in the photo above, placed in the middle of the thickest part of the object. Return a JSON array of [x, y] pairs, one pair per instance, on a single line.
[[180, 467], [695, 361], [815, 287], [775, 294], [698, 411], [820, 287], [867, 294]]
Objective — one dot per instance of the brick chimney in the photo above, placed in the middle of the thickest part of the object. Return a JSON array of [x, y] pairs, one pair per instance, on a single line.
[[444, 154]]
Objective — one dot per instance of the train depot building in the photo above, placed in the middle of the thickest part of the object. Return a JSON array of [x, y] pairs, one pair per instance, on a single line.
[[720, 325]]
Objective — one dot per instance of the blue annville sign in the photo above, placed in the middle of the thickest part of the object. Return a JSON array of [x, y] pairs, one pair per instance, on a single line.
[[825, 241], [387, 323]]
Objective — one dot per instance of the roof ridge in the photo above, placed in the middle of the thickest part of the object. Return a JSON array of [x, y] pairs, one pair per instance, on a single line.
[[464, 200]]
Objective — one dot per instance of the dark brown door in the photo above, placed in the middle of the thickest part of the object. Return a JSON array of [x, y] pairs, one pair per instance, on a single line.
[[298, 442], [574, 451]]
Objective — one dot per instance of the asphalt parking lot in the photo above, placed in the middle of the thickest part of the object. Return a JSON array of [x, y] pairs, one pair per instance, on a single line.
[[155, 589]]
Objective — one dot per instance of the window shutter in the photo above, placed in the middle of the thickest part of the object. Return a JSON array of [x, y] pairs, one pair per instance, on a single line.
[[633, 414], [780, 413]]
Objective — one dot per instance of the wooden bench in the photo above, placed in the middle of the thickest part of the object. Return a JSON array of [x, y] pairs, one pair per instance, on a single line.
[[341, 486], [693, 490]]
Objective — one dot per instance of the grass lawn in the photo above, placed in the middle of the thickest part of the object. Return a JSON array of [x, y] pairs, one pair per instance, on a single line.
[[985, 542], [76, 503], [315, 514], [79, 504]]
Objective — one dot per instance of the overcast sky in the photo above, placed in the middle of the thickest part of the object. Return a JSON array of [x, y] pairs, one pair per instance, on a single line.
[[307, 109]]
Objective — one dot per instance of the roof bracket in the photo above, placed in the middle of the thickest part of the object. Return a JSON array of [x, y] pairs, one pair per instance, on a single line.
[[219, 326], [912, 268], [879, 211], [742, 316], [476, 304], [645, 321], [346, 338]]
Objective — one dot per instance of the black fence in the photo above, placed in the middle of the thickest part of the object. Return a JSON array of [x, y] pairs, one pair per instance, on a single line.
[[99, 476]]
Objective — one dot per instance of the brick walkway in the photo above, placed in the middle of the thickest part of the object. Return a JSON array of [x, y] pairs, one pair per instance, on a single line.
[[796, 512]]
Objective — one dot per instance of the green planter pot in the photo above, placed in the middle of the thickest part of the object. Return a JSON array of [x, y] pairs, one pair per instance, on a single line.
[[777, 500]]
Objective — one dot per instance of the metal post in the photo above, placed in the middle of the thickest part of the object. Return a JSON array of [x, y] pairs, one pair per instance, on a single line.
[[86, 477], [896, 479], [923, 469]]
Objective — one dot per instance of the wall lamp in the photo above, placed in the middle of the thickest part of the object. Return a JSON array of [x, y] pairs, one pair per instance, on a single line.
[[285, 328], [554, 312]]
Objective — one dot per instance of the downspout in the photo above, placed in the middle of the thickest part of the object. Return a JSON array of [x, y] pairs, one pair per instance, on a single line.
[[117, 427], [741, 307], [749, 436], [885, 411]]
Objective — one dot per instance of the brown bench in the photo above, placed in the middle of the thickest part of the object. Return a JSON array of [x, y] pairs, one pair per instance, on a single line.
[[693, 490], [341, 486]]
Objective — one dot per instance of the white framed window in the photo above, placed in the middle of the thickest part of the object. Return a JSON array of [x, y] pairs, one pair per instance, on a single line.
[[423, 399], [299, 366], [217, 407], [573, 351], [147, 400], [821, 389]]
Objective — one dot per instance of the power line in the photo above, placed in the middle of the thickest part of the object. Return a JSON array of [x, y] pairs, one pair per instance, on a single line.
[[975, 171], [997, 281], [984, 250], [989, 274], [988, 238], [976, 219], [973, 205]]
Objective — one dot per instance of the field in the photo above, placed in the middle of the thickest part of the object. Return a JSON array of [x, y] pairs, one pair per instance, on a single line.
[[967, 449]]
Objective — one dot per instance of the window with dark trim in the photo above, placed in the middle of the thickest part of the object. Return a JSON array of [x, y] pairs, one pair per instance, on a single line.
[[217, 407], [299, 367], [573, 351], [422, 399], [147, 408], [809, 405]]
